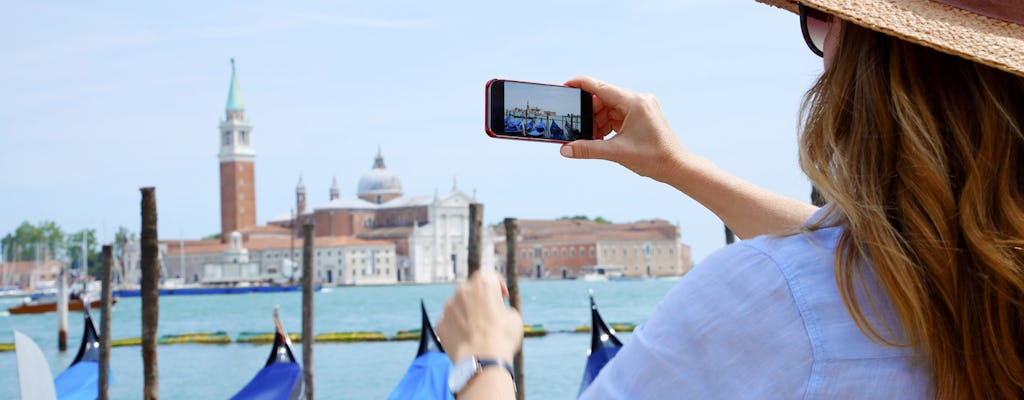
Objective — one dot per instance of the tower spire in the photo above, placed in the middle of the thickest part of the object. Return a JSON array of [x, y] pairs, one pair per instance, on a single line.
[[378, 163], [235, 102], [335, 191]]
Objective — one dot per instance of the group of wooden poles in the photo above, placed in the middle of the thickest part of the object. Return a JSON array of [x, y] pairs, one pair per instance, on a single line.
[[150, 293]]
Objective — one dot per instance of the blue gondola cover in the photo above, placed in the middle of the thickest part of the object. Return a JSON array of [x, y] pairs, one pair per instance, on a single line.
[[272, 382], [281, 377], [426, 378], [79, 382]]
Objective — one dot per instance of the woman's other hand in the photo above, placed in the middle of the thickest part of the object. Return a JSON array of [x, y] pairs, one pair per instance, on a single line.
[[644, 141], [476, 321]]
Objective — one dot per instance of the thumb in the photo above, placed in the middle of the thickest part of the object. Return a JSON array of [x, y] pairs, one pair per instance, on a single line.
[[586, 149]]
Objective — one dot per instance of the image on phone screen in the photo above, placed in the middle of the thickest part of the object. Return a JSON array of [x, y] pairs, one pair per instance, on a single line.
[[542, 112]]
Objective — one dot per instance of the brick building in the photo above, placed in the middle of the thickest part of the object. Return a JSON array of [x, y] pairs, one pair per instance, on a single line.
[[565, 249]]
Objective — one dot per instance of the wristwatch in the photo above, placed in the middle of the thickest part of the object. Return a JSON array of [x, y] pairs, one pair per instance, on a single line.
[[465, 370]]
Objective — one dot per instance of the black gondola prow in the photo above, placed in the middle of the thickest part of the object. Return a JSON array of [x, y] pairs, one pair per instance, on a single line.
[[89, 349], [428, 339], [282, 350]]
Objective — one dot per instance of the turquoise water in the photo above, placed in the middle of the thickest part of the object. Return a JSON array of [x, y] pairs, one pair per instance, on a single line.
[[553, 364]]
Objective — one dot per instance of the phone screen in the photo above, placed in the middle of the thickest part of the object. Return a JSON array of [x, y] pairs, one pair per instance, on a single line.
[[533, 111]]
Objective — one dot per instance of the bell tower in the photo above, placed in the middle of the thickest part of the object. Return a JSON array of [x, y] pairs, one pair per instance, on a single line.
[[237, 167]]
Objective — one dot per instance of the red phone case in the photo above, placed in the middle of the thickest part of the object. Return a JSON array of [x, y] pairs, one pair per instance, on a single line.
[[487, 114]]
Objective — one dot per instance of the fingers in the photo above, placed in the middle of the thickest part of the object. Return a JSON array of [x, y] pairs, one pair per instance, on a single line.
[[611, 96], [587, 149]]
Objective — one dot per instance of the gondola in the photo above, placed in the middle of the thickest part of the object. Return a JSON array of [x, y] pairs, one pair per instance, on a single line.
[[81, 379], [427, 377], [281, 376], [513, 125], [556, 131], [603, 346], [540, 127]]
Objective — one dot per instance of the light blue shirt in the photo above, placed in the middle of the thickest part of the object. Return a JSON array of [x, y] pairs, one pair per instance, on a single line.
[[761, 319]]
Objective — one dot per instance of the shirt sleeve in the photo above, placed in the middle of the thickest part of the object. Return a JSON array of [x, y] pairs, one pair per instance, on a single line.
[[729, 329]]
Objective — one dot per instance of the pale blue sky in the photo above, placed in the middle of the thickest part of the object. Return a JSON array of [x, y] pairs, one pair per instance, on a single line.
[[101, 98]]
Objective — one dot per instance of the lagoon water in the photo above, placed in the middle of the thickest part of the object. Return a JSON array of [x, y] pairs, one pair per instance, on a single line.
[[553, 363]]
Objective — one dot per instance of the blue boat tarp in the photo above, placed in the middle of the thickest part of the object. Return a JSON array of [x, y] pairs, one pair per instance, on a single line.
[[281, 377], [272, 382], [513, 125], [426, 378], [595, 362], [79, 382]]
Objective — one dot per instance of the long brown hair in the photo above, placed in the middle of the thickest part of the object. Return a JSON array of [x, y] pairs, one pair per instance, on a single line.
[[922, 155]]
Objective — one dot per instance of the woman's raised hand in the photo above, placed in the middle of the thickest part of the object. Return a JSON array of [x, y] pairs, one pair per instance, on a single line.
[[476, 321], [644, 141]]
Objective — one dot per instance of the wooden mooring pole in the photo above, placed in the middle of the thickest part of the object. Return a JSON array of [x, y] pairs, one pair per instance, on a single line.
[[308, 278], [150, 293], [512, 281], [62, 309], [476, 226], [105, 305]]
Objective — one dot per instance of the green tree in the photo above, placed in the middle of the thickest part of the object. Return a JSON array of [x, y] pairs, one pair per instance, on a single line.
[[30, 242], [599, 219]]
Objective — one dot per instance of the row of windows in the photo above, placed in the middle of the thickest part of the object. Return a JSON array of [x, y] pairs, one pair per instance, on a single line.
[[564, 251], [318, 253], [243, 138], [648, 251], [572, 252], [363, 272]]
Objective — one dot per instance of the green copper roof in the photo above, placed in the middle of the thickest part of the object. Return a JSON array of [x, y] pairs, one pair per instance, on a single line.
[[235, 101]]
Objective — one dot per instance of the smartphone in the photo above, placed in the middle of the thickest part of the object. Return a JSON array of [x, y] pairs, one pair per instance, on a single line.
[[538, 112]]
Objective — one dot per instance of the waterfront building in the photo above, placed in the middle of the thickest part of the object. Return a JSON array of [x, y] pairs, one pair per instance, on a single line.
[[278, 260], [566, 249], [430, 233], [31, 275]]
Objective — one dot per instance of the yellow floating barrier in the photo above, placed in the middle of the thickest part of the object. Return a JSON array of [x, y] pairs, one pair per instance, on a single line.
[[264, 337], [351, 337], [412, 334], [615, 326], [534, 330], [135, 341], [198, 338], [6, 346]]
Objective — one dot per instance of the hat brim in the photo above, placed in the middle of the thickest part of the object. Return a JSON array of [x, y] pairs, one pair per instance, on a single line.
[[986, 40]]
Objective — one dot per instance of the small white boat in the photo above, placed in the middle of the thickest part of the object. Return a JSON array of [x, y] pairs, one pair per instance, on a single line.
[[601, 273]]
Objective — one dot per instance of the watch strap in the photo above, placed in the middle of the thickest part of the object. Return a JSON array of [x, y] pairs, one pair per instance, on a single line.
[[480, 364], [490, 362], [486, 362]]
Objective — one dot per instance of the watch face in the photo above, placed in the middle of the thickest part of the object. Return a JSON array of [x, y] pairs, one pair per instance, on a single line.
[[461, 374]]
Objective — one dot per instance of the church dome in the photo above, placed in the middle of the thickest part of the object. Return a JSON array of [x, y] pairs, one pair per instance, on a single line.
[[379, 182]]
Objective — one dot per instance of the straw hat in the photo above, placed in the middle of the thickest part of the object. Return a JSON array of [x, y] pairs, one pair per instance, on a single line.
[[989, 32]]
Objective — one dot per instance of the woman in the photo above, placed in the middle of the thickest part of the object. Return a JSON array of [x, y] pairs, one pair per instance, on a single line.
[[909, 284]]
